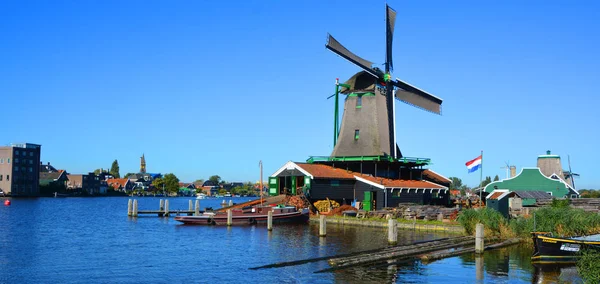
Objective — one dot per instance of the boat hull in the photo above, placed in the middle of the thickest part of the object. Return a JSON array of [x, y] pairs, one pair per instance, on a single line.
[[548, 249], [248, 218]]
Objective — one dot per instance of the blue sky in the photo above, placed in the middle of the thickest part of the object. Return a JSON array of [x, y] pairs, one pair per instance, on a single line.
[[212, 87]]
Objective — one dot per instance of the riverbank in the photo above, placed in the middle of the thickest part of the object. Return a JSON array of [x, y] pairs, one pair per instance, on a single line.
[[419, 225]]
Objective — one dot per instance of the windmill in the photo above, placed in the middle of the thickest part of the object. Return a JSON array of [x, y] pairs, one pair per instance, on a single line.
[[509, 169], [570, 175], [367, 127]]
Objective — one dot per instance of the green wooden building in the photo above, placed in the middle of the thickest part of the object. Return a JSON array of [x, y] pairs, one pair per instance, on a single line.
[[532, 179]]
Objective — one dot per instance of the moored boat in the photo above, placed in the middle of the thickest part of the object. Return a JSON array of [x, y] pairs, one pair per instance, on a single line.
[[249, 216], [550, 249]]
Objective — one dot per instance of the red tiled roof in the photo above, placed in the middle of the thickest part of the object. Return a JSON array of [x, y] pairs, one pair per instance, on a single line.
[[324, 171], [435, 176], [495, 195], [401, 183], [116, 182]]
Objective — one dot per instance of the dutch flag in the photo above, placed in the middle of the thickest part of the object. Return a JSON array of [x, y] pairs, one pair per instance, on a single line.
[[474, 164]]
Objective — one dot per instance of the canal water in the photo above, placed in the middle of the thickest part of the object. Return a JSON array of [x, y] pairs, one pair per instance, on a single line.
[[91, 240]]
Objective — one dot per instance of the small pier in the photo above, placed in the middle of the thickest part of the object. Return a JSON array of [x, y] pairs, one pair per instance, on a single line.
[[163, 209]]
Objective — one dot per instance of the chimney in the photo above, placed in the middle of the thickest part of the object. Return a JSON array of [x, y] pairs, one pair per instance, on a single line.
[[513, 171]]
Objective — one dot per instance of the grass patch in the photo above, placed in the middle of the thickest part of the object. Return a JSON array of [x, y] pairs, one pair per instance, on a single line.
[[588, 266]]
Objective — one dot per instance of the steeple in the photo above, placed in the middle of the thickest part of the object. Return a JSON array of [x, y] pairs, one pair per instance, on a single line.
[[143, 164]]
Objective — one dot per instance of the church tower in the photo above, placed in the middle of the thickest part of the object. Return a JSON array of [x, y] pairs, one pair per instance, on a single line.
[[143, 164]]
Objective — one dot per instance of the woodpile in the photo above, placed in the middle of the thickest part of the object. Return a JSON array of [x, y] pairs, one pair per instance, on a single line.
[[326, 205], [341, 209], [296, 201], [587, 204]]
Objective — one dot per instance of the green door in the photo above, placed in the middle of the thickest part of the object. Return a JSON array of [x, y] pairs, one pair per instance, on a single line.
[[294, 185], [368, 201], [273, 185]]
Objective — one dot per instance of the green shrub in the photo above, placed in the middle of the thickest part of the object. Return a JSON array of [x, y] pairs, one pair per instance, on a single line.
[[491, 219], [588, 266]]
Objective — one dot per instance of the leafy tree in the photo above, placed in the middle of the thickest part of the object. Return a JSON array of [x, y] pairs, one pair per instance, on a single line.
[[128, 175], [97, 171], [158, 183], [114, 169], [215, 179], [486, 181], [456, 183], [222, 191], [171, 183], [496, 178], [199, 181]]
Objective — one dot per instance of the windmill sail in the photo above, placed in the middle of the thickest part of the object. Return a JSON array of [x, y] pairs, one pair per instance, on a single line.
[[339, 49], [390, 22], [417, 97]]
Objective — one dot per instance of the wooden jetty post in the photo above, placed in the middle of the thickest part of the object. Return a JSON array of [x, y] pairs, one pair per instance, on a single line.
[[135, 208], [270, 220], [479, 267], [161, 206], [479, 238], [322, 226], [166, 208], [197, 208], [190, 207], [231, 202], [129, 207], [392, 232], [229, 217]]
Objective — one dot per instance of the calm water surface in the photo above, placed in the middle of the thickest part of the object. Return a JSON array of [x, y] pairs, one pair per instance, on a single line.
[[91, 240]]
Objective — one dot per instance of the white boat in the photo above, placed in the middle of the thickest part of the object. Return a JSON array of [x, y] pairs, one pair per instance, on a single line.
[[201, 196]]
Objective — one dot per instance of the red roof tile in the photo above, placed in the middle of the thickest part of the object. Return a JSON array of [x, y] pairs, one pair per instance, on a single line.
[[324, 171], [435, 176], [401, 183], [116, 182], [495, 195]]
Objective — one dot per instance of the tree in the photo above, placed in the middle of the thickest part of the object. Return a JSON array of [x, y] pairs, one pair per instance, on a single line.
[[215, 179], [456, 183], [496, 178], [171, 183], [98, 171], [486, 181], [114, 169], [128, 175], [199, 181], [158, 183]]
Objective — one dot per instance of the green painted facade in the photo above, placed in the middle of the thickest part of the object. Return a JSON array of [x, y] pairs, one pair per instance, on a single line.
[[273, 185], [532, 179]]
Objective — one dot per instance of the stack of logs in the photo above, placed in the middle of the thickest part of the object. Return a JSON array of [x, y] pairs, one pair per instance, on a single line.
[[587, 204], [412, 211]]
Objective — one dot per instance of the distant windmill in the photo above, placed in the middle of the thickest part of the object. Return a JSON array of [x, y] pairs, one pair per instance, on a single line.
[[570, 175], [508, 168]]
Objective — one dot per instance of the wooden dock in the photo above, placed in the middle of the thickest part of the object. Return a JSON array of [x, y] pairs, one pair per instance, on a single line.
[[161, 213]]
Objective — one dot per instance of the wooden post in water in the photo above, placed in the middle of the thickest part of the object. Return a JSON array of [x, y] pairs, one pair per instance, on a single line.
[[191, 207], [231, 202], [129, 207], [479, 238], [392, 232], [166, 207], [229, 217], [415, 222], [322, 226], [135, 208], [270, 220], [197, 208], [161, 207]]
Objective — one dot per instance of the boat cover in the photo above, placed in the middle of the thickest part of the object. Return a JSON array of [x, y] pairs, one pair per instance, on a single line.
[[590, 238]]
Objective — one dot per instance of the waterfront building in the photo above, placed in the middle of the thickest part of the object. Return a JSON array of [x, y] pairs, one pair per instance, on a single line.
[[548, 177], [320, 181], [120, 184], [89, 183], [19, 169], [54, 180]]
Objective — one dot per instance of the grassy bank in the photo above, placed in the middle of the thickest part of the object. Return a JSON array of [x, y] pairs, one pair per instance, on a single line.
[[559, 219]]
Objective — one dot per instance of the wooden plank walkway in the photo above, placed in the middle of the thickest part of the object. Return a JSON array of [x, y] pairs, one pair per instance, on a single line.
[[161, 213]]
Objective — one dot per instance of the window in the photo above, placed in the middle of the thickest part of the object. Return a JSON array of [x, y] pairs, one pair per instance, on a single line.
[[16, 169], [7, 177], [356, 134], [30, 154], [359, 101], [16, 152], [397, 193], [17, 160], [8, 162], [30, 169], [1, 177], [1, 160], [335, 183]]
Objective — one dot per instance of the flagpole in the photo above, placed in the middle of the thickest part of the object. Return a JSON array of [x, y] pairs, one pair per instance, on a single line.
[[481, 180]]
